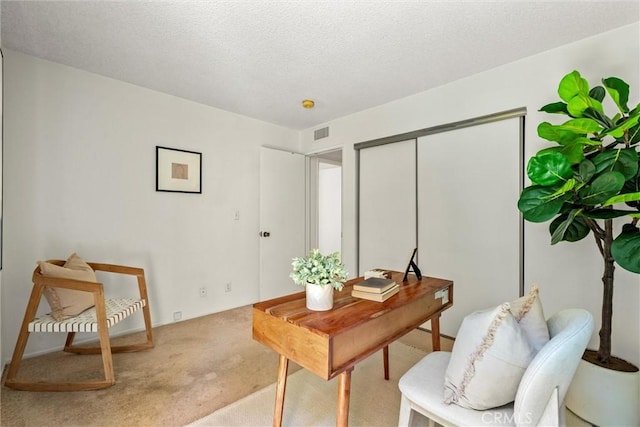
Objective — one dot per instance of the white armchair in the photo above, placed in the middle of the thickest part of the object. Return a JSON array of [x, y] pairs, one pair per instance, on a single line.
[[540, 397]]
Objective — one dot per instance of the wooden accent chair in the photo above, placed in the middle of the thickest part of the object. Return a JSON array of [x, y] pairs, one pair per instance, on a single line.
[[105, 313]]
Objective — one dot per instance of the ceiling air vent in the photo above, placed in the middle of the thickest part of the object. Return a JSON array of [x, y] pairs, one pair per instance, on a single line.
[[320, 133]]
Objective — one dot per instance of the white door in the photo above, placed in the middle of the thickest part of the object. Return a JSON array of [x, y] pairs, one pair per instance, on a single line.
[[468, 189], [282, 219], [387, 206]]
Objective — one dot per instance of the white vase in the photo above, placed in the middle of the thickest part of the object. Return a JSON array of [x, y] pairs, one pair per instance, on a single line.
[[604, 396], [319, 298]]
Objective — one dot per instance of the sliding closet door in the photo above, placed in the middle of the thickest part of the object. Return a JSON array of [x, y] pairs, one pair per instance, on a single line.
[[468, 187], [387, 205]]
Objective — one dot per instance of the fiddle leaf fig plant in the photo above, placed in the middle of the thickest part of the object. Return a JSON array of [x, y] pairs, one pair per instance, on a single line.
[[589, 177], [318, 269]]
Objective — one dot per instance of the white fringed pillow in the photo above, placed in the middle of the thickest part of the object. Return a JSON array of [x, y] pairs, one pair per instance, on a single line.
[[66, 303], [490, 355], [528, 312]]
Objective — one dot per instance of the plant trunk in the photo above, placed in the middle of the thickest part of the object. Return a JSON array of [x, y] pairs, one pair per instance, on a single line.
[[604, 351]]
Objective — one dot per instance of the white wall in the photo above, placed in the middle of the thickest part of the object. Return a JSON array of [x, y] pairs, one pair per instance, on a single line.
[[80, 176], [568, 274]]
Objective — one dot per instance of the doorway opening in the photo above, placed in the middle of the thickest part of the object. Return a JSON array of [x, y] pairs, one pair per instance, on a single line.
[[325, 201]]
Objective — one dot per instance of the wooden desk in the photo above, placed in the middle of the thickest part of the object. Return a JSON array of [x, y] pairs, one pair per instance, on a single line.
[[331, 343]]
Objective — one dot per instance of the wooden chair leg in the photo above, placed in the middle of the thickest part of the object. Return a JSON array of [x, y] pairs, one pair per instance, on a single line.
[[69, 343], [146, 312], [385, 357], [105, 342], [23, 335]]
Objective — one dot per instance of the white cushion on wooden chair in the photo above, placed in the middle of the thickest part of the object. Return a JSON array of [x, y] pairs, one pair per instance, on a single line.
[[117, 309]]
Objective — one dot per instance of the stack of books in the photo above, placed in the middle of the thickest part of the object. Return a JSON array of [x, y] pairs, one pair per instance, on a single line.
[[375, 289]]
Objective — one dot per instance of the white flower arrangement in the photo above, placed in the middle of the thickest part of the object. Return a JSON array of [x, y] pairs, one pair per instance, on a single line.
[[318, 269]]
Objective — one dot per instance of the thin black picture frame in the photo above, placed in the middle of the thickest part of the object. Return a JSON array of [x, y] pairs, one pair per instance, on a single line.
[[178, 171]]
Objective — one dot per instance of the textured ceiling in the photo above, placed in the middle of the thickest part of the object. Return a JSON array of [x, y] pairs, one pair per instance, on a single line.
[[262, 58]]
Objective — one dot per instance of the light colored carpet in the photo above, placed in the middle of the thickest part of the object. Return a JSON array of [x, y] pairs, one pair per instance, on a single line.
[[311, 400], [198, 367]]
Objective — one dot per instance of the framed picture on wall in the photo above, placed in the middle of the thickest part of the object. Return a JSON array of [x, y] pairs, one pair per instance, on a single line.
[[178, 170]]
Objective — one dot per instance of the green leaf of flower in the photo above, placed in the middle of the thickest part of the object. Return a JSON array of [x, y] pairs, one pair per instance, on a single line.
[[634, 134], [568, 186], [571, 85], [597, 93], [555, 108], [622, 198], [626, 248], [581, 126], [602, 188], [568, 227], [607, 213], [573, 152], [549, 169], [618, 130], [618, 90], [535, 205], [580, 103], [623, 160], [599, 117], [586, 170], [554, 133]]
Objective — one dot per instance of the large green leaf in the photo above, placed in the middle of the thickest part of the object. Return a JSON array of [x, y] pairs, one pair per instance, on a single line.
[[586, 170], [554, 133], [549, 169], [599, 117], [581, 126], [622, 198], [535, 206], [626, 248], [569, 185], [568, 227], [573, 152], [618, 130], [619, 91], [623, 160], [580, 103], [602, 188], [634, 134], [597, 93], [571, 85], [555, 108], [607, 213], [632, 186]]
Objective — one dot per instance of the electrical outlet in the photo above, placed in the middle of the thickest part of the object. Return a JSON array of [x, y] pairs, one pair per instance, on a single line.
[[177, 315], [227, 287], [203, 292]]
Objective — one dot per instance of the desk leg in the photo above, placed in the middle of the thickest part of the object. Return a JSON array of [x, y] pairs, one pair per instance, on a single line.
[[344, 391], [280, 389], [385, 357], [435, 333]]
